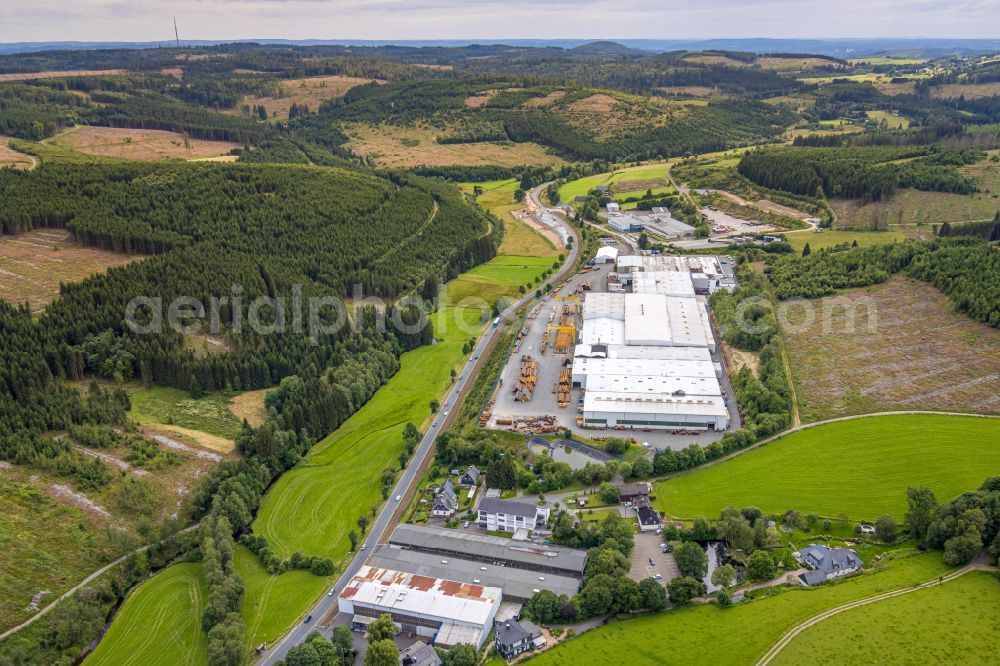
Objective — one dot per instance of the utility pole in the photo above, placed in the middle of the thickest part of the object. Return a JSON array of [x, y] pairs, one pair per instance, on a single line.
[[177, 38]]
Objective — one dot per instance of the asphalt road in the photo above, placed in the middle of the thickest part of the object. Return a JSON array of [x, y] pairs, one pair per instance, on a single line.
[[407, 482]]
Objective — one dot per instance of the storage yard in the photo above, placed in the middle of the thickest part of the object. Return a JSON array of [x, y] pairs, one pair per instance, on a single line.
[[638, 361]]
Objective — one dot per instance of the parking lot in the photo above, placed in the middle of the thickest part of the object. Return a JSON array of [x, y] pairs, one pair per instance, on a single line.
[[647, 547]]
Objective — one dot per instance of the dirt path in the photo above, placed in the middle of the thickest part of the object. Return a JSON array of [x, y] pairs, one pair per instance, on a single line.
[[975, 565]]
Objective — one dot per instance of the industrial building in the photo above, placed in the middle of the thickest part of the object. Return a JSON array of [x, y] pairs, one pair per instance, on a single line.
[[488, 549], [518, 585], [625, 222], [644, 358], [446, 611]]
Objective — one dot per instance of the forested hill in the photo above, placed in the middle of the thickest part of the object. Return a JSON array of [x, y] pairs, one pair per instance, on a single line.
[[265, 228]]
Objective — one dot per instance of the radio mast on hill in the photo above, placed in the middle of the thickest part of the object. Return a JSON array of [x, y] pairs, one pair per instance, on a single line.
[[176, 36]]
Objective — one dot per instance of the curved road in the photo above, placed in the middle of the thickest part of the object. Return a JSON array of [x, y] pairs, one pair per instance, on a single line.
[[407, 483]]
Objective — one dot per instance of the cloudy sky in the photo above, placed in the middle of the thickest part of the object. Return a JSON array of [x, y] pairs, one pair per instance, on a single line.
[[142, 20]]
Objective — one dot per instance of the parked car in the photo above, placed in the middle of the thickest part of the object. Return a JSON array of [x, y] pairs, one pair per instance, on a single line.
[[651, 562], [572, 501], [465, 524]]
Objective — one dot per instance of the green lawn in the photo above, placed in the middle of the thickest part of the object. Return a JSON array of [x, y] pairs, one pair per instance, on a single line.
[[738, 635], [159, 623], [860, 468], [831, 237], [170, 406], [581, 186], [957, 622]]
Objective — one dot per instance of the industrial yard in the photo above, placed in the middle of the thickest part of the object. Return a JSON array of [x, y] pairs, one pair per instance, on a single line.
[[637, 361]]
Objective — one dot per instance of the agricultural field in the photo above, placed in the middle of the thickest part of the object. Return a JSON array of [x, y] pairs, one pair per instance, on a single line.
[[951, 623], [521, 236], [733, 636], [33, 264], [11, 159], [140, 144], [170, 408], [832, 237], [404, 147], [886, 60], [159, 623], [858, 468], [795, 64], [906, 348], [311, 92]]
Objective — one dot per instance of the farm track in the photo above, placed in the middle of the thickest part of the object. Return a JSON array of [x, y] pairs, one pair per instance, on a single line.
[[975, 565], [73, 590]]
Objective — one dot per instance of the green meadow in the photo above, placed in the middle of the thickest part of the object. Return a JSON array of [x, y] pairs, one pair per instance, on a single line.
[[733, 636], [159, 623], [859, 468], [953, 623]]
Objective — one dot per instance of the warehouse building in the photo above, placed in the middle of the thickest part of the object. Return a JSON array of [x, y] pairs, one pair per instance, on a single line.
[[625, 223], [606, 409], [488, 549], [667, 283], [589, 373], [446, 611], [642, 352], [646, 319], [518, 585]]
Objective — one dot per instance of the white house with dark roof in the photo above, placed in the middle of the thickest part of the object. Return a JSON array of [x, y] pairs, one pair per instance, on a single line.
[[500, 515], [445, 500], [827, 563], [516, 637]]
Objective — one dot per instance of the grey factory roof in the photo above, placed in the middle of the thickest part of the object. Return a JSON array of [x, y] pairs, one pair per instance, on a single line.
[[485, 547], [515, 583], [497, 505]]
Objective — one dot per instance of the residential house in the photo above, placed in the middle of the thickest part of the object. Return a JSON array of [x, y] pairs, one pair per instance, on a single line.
[[628, 492], [419, 654], [500, 515], [514, 638], [471, 476], [827, 563], [445, 500]]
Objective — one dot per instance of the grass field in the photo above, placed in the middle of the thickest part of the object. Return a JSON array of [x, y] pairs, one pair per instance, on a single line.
[[735, 636], [645, 172], [520, 238], [159, 623], [892, 120], [162, 405], [405, 147], [968, 90], [55, 74], [884, 60], [831, 237], [859, 468], [32, 265], [957, 622], [272, 603], [139, 144], [894, 346]]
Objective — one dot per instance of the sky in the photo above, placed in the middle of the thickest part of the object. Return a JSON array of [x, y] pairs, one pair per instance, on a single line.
[[486, 20]]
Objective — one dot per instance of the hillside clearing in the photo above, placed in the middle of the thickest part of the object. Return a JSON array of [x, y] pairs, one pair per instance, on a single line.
[[33, 264], [11, 159], [899, 346], [310, 92], [858, 468], [139, 144]]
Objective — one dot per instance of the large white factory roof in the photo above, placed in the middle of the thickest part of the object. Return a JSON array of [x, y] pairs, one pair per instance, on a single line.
[[646, 320], [604, 305], [655, 385], [632, 403], [710, 265], [607, 253], [668, 283], [640, 366], [603, 330], [421, 595], [662, 353], [687, 327]]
